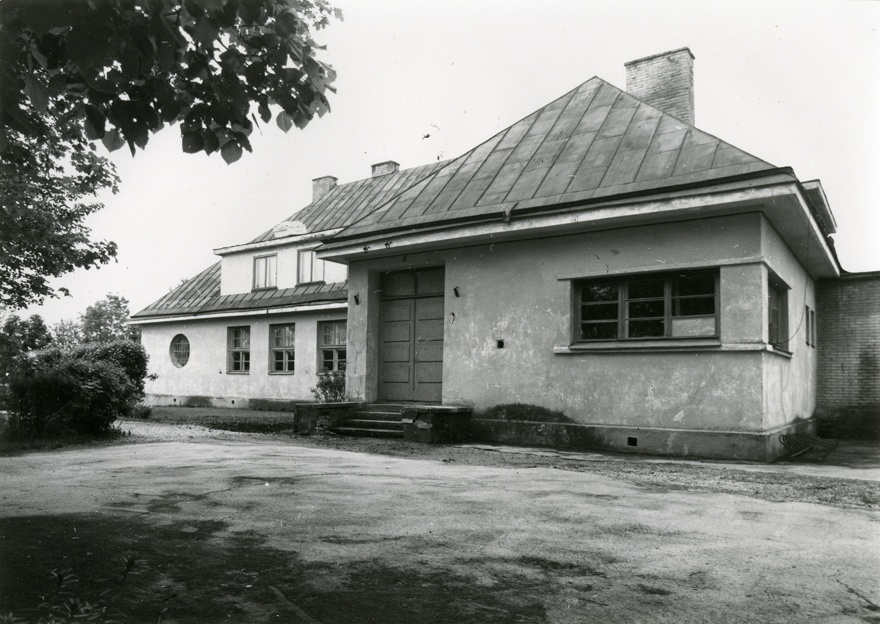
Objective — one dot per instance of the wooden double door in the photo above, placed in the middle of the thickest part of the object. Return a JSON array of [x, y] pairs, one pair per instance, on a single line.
[[411, 323]]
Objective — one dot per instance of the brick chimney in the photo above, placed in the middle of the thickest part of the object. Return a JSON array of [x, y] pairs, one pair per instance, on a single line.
[[384, 168], [665, 81], [322, 186]]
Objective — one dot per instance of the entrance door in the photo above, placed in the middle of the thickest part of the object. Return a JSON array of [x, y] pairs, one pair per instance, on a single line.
[[411, 336]]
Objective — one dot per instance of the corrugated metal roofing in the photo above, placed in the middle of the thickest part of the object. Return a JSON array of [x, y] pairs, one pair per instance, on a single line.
[[595, 141]]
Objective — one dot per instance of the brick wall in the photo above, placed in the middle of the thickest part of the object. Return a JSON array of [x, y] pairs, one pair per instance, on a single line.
[[848, 324], [665, 81]]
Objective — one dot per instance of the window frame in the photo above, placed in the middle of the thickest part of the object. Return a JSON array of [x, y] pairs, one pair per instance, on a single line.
[[239, 353], [809, 332], [174, 350], [779, 312], [623, 320], [815, 335], [314, 265], [288, 352], [333, 349], [265, 273]]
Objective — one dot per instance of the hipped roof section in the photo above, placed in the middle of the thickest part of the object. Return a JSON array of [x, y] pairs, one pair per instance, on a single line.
[[594, 142], [347, 203], [201, 295]]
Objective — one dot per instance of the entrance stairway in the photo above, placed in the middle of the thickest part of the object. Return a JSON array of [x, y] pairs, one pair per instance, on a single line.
[[376, 420]]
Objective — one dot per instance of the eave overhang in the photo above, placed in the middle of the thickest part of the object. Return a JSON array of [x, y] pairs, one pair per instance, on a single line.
[[237, 313], [277, 242], [776, 193]]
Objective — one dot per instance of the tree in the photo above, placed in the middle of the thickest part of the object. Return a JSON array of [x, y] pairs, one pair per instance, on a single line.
[[125, 68], [18, 336], [67, 334], [105, 321], [79, 71]]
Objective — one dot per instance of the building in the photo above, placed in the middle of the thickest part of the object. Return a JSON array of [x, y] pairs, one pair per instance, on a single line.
[[601, 258]]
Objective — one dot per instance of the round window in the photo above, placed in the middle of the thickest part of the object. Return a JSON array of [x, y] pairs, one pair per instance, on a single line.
[[179, 350]]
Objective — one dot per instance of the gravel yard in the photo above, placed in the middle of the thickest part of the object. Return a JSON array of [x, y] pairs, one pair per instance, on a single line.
[[186, 524]]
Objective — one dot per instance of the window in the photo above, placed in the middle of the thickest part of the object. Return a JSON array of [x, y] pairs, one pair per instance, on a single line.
[[809, 320], [179, 350], [265, 271], [815, 332], [331, 342], [238, 349], [310, 268], [777, 314], [667, 305], [281, 348]]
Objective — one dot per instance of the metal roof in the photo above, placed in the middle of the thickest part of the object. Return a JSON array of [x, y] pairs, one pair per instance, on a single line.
[[347, 203], [340, 207], [201, 295], [595, 141]]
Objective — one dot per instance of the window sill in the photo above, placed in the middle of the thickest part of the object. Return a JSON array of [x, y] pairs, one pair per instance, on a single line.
[[778, 351], [689, 344], [238, 372], [668, 346], [283, 373], [263, 289], [313, 283]]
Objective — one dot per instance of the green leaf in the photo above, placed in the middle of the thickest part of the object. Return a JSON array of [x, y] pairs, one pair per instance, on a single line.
[[87, 44], [231, 152], [113, 140], [265, 113], [94, 124], [284, 121], [206, 31], [192, 142], [37, 93]]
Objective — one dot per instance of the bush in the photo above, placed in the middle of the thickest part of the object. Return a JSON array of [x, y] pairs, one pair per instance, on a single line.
[[523, 412], [330, 387], [55, 392], [142, 412]]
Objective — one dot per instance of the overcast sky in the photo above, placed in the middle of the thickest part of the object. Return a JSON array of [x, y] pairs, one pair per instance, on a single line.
[[794, 83]]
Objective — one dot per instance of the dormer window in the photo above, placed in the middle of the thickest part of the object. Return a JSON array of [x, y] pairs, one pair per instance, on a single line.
[[310, 269], [265, 271]]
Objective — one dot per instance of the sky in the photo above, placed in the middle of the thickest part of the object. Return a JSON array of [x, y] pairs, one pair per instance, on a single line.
[[794, 83]]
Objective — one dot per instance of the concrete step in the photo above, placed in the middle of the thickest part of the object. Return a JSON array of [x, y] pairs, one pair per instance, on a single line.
[[373, 423], [376, 415], [368, 433]]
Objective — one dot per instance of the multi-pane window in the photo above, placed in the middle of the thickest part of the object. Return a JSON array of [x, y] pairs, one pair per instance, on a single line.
[[238, 349], [179, 350], [265, 271], [667, 305], [777, 315], [309, 268], [281, 348], [331, 344]]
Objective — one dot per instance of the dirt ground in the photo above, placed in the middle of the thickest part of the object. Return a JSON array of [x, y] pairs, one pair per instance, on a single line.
[[183, 524]]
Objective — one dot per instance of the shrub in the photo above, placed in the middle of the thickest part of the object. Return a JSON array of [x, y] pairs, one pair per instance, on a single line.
[[141, 411], [330, 387], [56, 392], [523, 412], [130, 356]]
